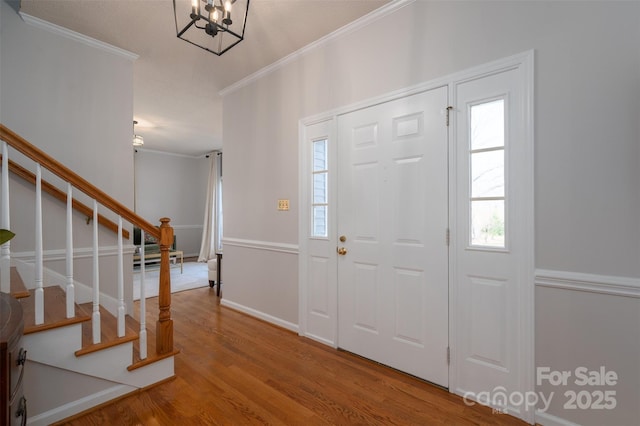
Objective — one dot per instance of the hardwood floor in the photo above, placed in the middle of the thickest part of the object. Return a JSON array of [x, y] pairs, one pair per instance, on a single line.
[[236, 370]]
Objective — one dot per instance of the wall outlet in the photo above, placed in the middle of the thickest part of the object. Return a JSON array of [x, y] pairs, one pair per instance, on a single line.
[[283, 205]]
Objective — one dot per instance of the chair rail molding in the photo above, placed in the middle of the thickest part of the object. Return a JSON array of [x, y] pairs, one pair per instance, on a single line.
[[261, 245], [577, 281], [78, 253]]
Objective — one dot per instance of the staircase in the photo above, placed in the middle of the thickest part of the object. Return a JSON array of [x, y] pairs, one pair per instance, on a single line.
[[81, 353]]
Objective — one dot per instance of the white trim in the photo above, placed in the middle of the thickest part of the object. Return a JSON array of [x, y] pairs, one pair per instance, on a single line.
[[479, 71], [260, 315], [577, 281], [387, 97], [78, 253], [365, 20], [546, 419], [304, 223], [186, 227], [525, 61], [88, 41], [80, 405], [171, 154], [527, 296], [261, 245]]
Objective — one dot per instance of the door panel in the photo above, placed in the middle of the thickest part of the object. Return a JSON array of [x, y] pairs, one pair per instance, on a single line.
[[393, 211]]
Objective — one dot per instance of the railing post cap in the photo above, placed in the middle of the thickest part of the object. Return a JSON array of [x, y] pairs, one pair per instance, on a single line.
[[165, 221]]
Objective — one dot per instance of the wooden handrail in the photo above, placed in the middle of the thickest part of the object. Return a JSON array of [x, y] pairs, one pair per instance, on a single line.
[[47, 187], [66, 174]]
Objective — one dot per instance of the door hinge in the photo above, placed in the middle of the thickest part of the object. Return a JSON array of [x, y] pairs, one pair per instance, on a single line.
[[449, 108], [448, 236], [448, 356]]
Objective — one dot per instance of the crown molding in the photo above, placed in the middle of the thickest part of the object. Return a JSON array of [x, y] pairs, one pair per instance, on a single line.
[[81, 38], [340, 32], [169, 153]]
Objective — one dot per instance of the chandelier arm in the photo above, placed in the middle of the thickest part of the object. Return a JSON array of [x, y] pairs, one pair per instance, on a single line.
[[220, 28]]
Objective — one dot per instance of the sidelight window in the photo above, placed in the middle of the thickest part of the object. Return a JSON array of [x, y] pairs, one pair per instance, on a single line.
[[320, 180]]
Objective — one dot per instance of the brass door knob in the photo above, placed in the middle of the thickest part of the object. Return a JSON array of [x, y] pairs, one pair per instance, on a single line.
[[342, 251]]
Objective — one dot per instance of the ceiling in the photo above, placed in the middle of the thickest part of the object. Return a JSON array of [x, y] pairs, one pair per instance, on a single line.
[[176, 85]]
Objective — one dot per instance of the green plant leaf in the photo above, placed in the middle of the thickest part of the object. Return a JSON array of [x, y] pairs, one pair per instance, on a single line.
[[5, 235]]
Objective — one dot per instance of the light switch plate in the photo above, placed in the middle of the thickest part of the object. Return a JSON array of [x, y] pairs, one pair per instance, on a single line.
[[283, 205]]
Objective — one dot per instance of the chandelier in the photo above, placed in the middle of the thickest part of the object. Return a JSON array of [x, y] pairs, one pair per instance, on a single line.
[[137, 139], [213, 25]]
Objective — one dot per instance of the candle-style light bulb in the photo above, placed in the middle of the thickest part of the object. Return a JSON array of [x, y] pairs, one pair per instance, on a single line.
[[195, 8], [227, 13], [214, 16]]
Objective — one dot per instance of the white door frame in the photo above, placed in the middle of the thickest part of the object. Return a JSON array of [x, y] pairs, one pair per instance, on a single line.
[[525, 63]]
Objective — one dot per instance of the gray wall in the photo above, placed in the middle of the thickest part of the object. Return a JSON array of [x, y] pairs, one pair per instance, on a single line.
[[173, 186], [587, 164], [75, 102]]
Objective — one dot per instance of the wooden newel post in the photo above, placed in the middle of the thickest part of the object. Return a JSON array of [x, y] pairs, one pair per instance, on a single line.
[[164, 326]]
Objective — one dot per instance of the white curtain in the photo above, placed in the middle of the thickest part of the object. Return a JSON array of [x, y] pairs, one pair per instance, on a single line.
[[210, 233]]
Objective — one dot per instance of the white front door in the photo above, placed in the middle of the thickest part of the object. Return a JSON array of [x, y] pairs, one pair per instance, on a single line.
[[393, 218]]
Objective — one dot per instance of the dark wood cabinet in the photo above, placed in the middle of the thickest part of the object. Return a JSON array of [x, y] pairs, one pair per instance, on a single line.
[[13, 407]]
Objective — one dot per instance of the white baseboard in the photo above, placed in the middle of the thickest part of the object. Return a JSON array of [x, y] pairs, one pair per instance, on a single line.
[[546, 419], [261, 315], [80, 405]]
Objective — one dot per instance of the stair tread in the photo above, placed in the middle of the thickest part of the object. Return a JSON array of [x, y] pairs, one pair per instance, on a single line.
[[152, 356], [17, 289], [55, 312], [108, 331]]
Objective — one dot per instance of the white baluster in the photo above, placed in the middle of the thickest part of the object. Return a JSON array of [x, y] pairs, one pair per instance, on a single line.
[[5, 249], [39, 292], [120, 281], [71, 299], [143, 303], [95, 317]]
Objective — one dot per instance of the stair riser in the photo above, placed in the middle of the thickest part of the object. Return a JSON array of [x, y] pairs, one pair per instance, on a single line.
[[57, 348], [55, 394], [56, 343]]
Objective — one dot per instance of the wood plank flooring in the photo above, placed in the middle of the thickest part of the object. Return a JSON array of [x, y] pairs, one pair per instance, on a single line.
[[236, 370]]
